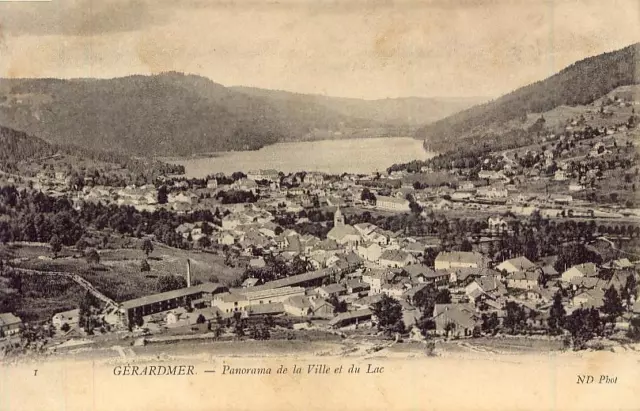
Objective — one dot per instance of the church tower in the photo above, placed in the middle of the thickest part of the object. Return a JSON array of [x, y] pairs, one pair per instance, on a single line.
[[338, 218]]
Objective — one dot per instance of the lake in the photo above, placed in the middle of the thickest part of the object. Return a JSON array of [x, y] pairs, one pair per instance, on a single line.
[[365, 155]]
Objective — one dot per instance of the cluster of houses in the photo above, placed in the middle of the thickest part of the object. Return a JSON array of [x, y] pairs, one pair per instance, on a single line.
[[342, 295]]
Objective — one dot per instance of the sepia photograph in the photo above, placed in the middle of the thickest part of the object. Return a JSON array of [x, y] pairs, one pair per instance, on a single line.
[[319, 204]]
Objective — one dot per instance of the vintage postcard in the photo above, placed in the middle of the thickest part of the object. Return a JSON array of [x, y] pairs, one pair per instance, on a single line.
[[319, 204]]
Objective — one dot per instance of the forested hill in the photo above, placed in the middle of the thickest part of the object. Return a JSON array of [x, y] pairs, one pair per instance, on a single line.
[[19, 147], [578, 84], [177, 114], [406, 111], [146, 115]]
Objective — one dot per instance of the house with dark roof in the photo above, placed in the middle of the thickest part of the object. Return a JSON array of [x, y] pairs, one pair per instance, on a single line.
[[331, 290], [352, 319], [321, 308], [489, 286], [155, 303], [420, 273], [357, 286], [275, 308], [455, 320], [396, 258]]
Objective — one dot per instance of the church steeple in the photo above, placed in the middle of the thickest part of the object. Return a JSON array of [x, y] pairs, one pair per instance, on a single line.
[[338, 218]]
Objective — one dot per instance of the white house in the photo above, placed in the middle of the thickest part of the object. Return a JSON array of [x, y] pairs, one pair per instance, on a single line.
[[71, 317], [298, 306], [392, 203], [459, 259], [370, 251], [524, 280], [515, 264], [580, 270]]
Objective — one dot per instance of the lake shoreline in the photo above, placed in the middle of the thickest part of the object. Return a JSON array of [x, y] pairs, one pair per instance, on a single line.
[[335, 156]]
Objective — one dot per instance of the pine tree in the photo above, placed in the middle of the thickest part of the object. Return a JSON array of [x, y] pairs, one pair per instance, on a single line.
[[557, 314], [56, 245], [612, 305], [389, 313]]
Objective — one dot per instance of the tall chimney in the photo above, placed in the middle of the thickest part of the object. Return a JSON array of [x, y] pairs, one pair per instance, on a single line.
[[188, 273]]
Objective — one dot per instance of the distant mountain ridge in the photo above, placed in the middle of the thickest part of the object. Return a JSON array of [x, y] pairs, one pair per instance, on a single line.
[[402, 111], [173, 114], [582, 82]]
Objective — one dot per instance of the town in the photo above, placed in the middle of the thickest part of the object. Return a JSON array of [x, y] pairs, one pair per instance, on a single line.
[[480, 246], [533, 238]]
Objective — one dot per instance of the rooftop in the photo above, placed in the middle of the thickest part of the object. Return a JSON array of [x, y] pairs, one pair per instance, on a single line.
[[351, 315], [9, 319], [182, 292], [293, 280], [461, 256]]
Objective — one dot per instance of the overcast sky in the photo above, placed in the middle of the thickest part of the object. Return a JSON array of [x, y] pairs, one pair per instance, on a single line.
[[358, 48]]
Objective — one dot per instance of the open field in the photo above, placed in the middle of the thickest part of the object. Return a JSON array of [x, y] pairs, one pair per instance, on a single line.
[[39, 297], [118, 274]]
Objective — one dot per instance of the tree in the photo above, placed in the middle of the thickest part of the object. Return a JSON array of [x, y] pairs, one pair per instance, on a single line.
[[201, 319], [147, 246], [490, 323], [429, 256], [86, 309], [206, 229], [81, 244], [582, 324], [92, 256], [163, 195], [389, 313], [449, 327], [170, 282], [612, 305], [630, 290], [144, 266], [239, 324], [515, 317], [634, 328], [425, 299], [466, 246], [65, 327], [426, 324], [415, 207], [204, 242], [366, 195], [338, 306], [443, 296], [575, 253], [55, 244], [557, 314]]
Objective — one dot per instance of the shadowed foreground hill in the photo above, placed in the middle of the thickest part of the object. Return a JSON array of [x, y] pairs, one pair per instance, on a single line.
[[578, 84], [19, 147]]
